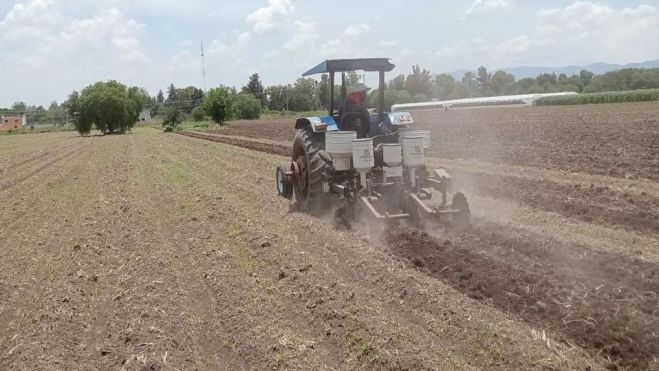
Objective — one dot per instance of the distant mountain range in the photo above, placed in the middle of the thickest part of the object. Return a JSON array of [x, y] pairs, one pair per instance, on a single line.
[[597, 68]]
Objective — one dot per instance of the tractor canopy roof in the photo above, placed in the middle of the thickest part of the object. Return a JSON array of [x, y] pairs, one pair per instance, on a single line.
[[345, 65]]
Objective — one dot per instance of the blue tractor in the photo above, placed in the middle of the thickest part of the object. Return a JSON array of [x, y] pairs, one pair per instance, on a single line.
[[354, 159]]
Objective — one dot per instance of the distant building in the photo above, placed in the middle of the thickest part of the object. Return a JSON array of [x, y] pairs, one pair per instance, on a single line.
[[145, 115], [12, 122]]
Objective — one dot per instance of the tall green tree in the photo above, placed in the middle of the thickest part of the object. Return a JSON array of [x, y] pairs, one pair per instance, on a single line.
[[19, 107], [398, 83], [173, 117], [483, 80], [246, 107], [218, 104], [419, 81], [444, 87], [278, 97], [140, 96], [586, 77], [304, 95], [172, 93], [71, 104], [502, 83], [109, 107], [470, 84], [188, 98], [255, 87]]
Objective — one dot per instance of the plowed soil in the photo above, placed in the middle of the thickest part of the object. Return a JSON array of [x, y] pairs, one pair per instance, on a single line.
[[566, 229], [618, 140]]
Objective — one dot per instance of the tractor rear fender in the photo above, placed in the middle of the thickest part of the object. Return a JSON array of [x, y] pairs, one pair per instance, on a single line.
[[318, 124], [399, 119], [392, 122]]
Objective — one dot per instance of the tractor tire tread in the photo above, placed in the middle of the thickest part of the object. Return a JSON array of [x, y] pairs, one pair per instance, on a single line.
[[314, 147]]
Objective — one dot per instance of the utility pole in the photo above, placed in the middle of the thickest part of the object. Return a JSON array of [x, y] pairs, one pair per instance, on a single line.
[[203, 64]]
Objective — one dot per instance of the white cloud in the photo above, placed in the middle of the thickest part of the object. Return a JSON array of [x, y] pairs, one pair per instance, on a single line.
[[217, 47], [277, 12], [304, 37], [484, 6], [42, 45], [344, 45], [598, 31], [111, 27], [580, 33], [243, 38], [29, 19], [387, 43]]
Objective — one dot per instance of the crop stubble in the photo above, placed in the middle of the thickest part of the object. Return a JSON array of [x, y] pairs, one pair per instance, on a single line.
[[153, 257]]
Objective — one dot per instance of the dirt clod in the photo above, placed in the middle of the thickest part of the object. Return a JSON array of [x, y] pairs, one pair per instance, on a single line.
[[306, 268]]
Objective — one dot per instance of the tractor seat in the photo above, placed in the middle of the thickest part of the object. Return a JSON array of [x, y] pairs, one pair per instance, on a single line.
[[356, 121]]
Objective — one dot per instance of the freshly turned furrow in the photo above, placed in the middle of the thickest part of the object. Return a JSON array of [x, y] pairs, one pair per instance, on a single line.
[[554, 280], [609, 318], [537, 220], [254, 186]]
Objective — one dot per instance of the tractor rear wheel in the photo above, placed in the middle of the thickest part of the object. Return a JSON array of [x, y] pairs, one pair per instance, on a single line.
[[309, 161]]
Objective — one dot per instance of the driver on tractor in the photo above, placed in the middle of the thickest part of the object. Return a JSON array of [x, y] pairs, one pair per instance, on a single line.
[[354, 112]]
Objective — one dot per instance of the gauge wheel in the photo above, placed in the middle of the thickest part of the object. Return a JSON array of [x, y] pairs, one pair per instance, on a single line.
[[463, 215], [284, 183]]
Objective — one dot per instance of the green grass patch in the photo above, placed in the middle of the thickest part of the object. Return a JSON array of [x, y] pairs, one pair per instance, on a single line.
[[267, 114], [198, 126], [37, 130], [177, 174], [645, 95]]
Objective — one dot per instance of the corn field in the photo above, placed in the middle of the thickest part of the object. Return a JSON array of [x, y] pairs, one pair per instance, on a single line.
[[606, 97]]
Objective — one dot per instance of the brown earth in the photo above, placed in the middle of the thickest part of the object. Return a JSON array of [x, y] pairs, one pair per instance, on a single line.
[[600, 299], [156, 251], [587, 202], [594, 201], [620, 140], [595, 300]]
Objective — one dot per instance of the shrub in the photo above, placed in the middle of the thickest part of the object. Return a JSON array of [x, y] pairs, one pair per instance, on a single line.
[[198, 114], [173, 117], [420, 98], [391, 97], [218, 105], [247, 107]]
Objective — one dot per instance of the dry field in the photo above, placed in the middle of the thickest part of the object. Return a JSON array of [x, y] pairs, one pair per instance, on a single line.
[[157, 251]]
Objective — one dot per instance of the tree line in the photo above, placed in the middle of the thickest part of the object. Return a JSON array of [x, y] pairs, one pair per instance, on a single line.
[[421, 86], [92, 106]]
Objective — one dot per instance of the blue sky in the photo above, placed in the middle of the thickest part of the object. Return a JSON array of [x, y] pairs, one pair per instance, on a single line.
[[50, 47]]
